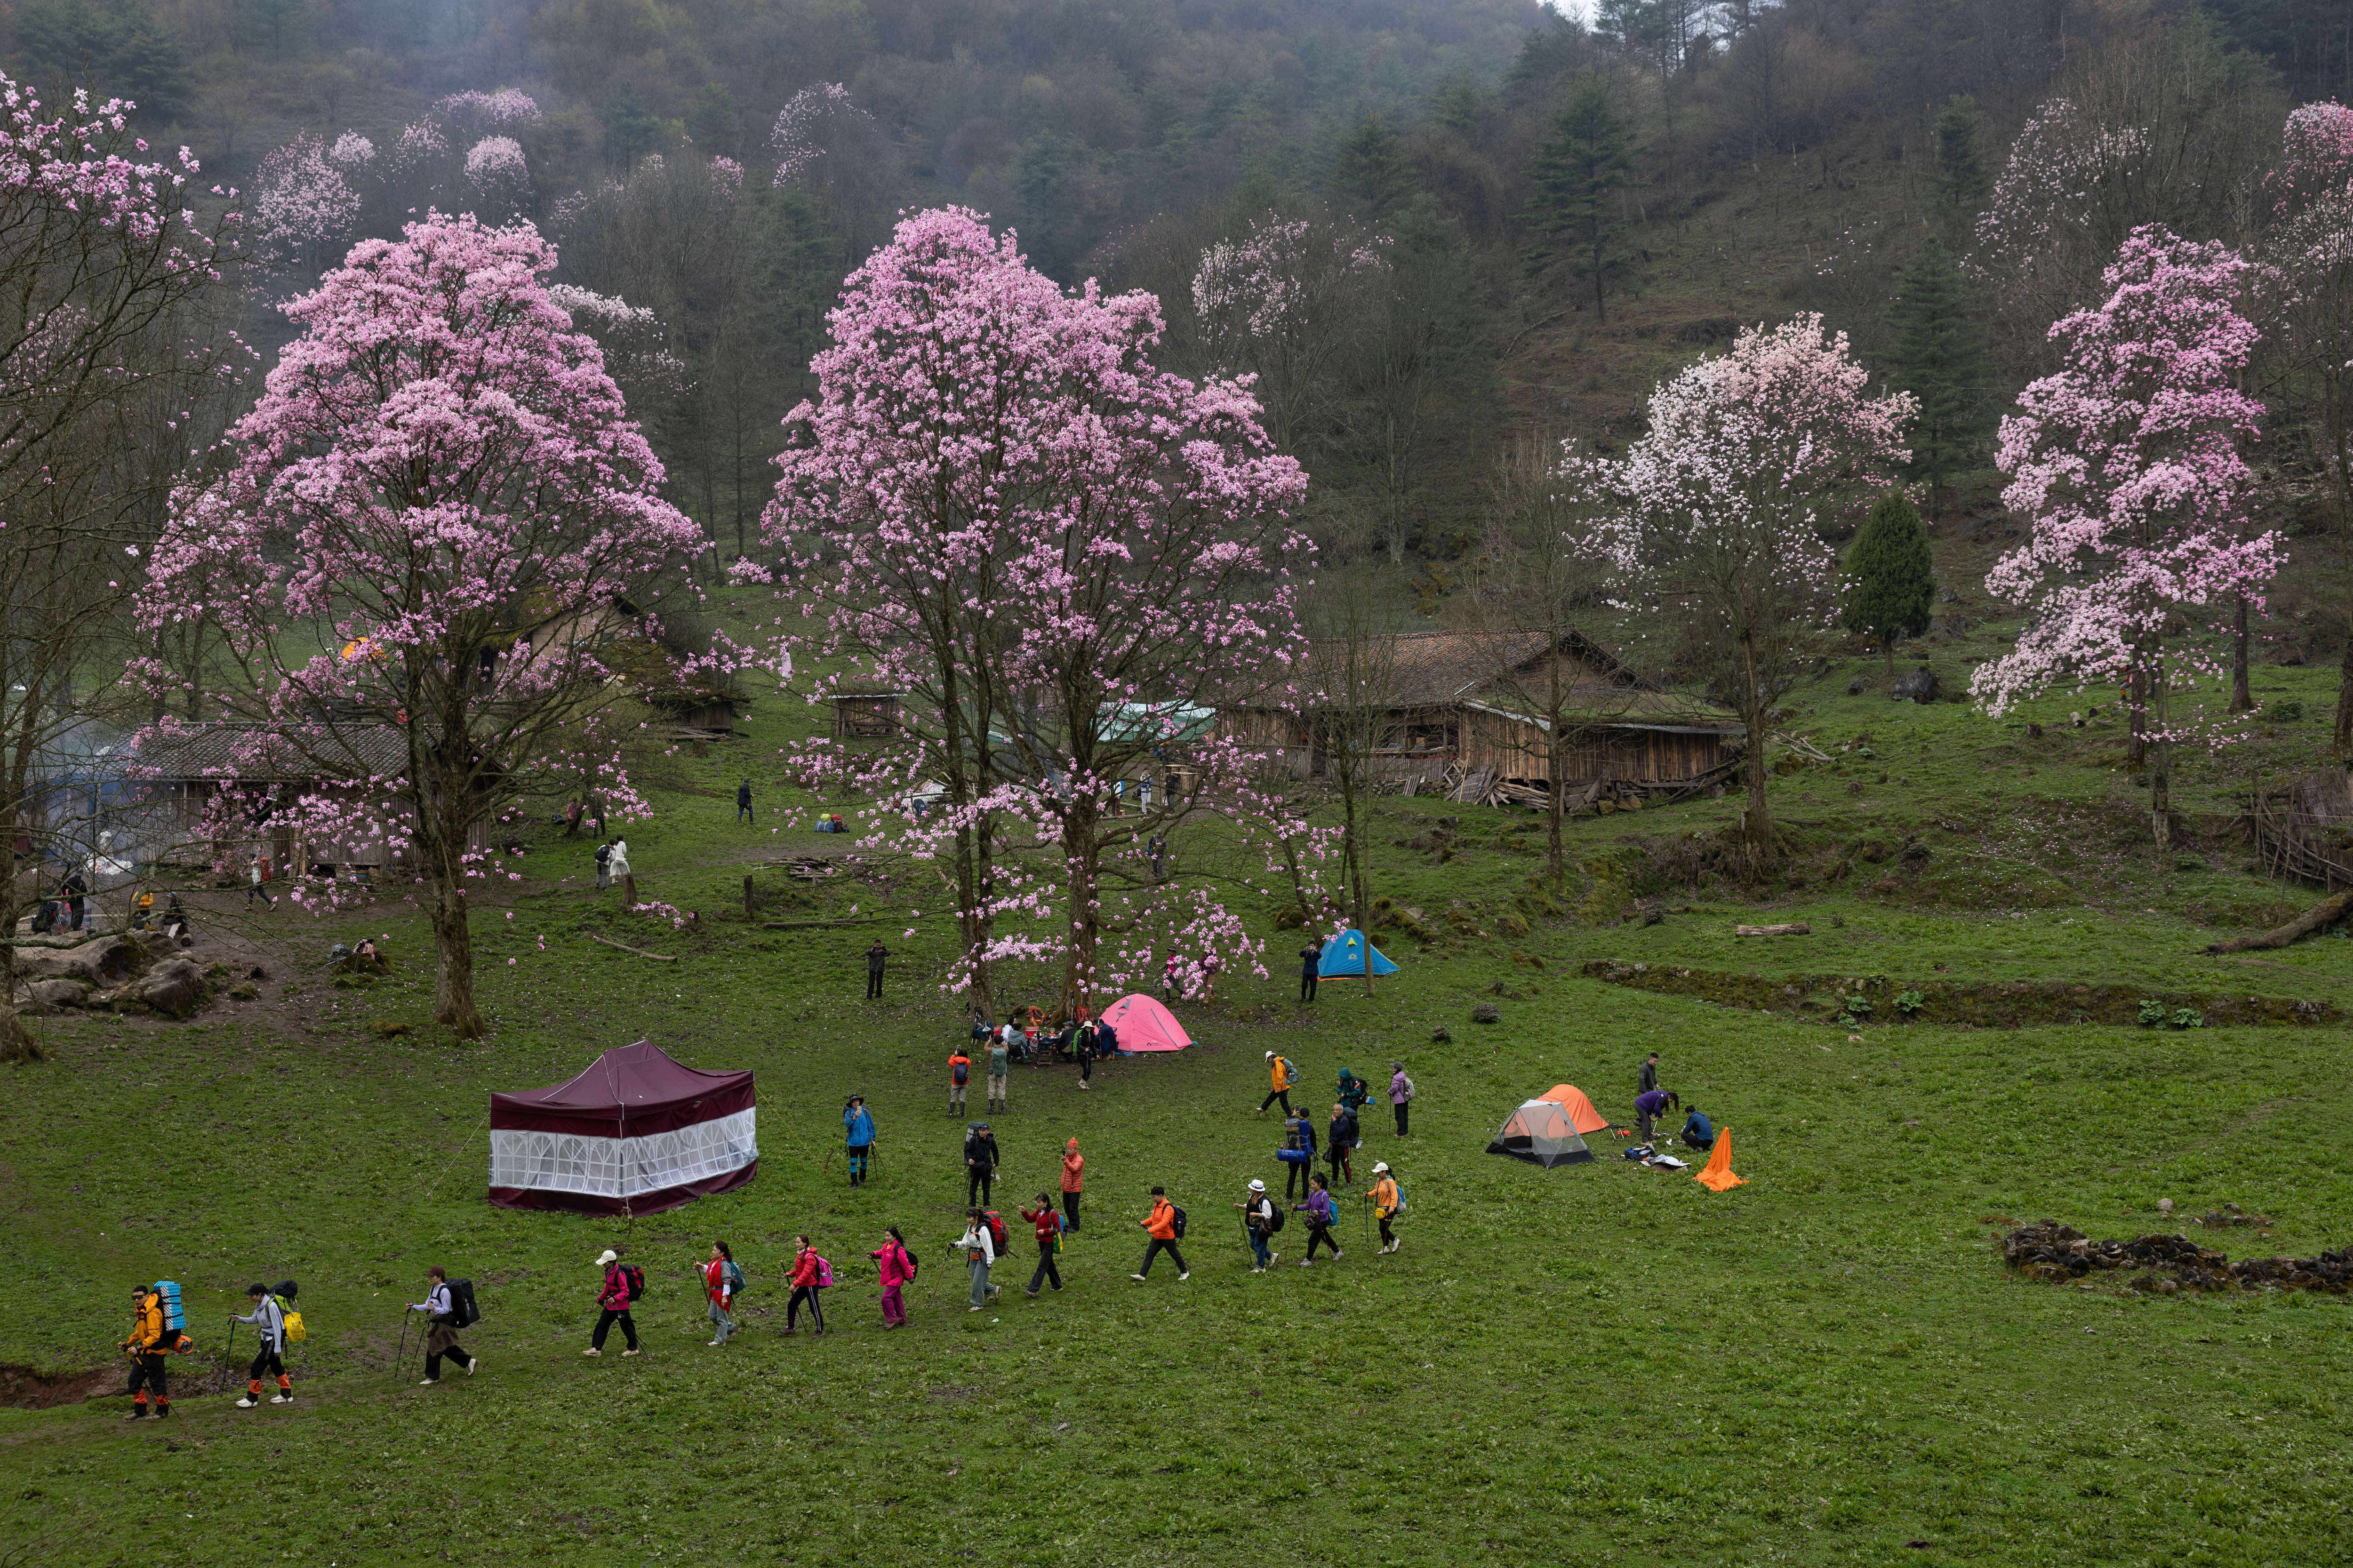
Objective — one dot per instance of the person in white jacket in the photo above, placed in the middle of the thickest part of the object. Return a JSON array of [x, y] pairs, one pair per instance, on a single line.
[[270, 1323], [441, 1337], [981, 1253]]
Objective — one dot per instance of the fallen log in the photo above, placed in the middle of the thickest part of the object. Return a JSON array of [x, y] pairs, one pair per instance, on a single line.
[[2321, 916], [1794, 928], [625, 947]]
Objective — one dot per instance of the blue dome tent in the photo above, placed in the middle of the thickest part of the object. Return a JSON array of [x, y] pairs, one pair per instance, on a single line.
[[1345, 954]]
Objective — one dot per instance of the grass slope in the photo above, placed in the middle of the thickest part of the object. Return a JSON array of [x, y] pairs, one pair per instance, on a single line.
[[1822, 1366]]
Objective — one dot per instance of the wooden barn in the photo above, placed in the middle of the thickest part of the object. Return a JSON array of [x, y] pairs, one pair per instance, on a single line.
[[179, 780], [866, 715], [1454, 716]]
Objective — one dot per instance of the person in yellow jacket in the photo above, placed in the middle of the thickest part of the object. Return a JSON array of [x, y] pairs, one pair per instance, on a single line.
[[1384, 1199], [1280, 1072], [148, 1345]]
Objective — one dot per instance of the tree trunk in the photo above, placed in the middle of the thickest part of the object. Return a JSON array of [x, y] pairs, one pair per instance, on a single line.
[[2137, 713], [1556, 858], [17, 1042], [1757, 820], [2243, 700], [1891, 657], [1082, 853], [453, 950], [2160, 782], [2342, 741]]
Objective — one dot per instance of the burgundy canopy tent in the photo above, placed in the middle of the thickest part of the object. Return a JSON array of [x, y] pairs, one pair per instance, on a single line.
[[635, 1134]]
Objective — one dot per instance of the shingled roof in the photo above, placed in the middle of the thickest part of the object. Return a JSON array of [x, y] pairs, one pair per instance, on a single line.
[[251, 753]]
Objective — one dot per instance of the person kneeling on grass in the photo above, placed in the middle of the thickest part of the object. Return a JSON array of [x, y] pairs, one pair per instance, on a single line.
[[1320, 1215], [1698, 1132], [269, 1322], [441, 1337]]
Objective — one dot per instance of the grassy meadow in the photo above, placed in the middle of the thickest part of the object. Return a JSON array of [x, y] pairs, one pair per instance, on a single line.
[[1828, 1364]]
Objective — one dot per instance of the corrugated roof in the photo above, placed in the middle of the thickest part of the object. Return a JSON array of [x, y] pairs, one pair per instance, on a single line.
[[257, 753]]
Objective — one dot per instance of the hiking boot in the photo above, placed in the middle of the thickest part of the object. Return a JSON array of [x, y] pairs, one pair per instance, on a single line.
[[1137, 1278], [162, 1411], [1336, 1255], [429, 1383], [592, 1350], [631, 1351], [708, 1342], [1307, 1263], [472, 1367], [138, 1412], [281, 1399], [1186, 1275], [247, 1403]]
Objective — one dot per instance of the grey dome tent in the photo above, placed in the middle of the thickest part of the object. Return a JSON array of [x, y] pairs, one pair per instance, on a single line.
[[1540, 1133]]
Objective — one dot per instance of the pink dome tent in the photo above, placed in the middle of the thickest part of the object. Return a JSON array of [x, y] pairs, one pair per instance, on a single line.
[[1144, 1025], [636, 1133]]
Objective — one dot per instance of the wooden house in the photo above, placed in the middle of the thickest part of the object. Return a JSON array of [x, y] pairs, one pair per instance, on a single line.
[[866, 715], [1454, 709], [180, 816]]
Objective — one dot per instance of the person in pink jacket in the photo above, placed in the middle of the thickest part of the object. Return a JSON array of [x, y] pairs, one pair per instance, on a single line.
[[807, 1276], [897, 1265]]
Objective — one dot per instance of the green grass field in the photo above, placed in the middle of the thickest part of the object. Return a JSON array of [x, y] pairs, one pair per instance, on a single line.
[[1828, 1364]]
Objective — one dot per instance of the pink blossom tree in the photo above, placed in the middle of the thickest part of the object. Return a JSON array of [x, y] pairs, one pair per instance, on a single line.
[[433, 512], [2127, 464], [1281, 303], [114, 356], [302, 204], [500, 176], [1051, 553], [1714, 517]]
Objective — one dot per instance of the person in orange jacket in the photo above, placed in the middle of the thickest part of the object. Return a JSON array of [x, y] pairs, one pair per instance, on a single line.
[[1279, 1074], [1074, 1180], [1161, 1227], [149, 1344], [959, 1080]]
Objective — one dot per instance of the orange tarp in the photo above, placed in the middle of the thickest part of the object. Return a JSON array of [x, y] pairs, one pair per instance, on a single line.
[[1718, 1174], [1581, 1113]]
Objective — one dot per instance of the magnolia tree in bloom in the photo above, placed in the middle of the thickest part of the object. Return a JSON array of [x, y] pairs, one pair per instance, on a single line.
[[2127, 464], [302, 204], [1053, 553], [1282, 302], [430, 518], [1714, 517], [496, 171], [311, 196]]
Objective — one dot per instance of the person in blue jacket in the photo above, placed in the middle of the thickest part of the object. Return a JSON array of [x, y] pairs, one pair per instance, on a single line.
[[858, 1132], [1298, 1155], [1698, 1132]]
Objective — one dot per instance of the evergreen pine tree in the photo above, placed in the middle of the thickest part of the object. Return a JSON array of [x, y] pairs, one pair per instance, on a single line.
[[1895, 583], [1962, 179], [1371, 172], [1940, 358], [1578, 175]]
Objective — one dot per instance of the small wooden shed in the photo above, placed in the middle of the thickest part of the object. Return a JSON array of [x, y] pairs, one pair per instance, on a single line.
[[867, 715]]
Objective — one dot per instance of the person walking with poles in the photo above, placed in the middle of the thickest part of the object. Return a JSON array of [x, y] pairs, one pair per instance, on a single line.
[[623, 1283], [721, 1281], [1321, 1212], [1074, 1181], [149, 1344], [959, 1080], [980, 1255], [810, 1275], [1165, 1226], [268, 1320], [1259, 1222], [858, 1137], [1400, 1095], [980, 1162], [744, 803], [1310, 958], [1281, 1074], [1048, 1224], [875, 957], [1343, 1135], [895, 1267], [442, 1319], [1386, 1201]]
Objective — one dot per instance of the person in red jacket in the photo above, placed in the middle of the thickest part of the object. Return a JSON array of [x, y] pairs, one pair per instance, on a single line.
[[1074, 1180], [808, 1268], [895, 1266], [719, 1281], [615, 1301], [1049, 1227]]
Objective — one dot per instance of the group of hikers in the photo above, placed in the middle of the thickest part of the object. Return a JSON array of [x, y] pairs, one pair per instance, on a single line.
[[159, 1331], [1651, 1100]]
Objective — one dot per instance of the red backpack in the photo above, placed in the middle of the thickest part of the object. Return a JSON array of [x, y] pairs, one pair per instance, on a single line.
[[997, 1235]]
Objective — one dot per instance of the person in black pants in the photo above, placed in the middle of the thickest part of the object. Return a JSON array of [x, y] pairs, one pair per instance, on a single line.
[[1161, 1227], [1309, 957], [613, 1301], [1648, 1079], [1299, 1137], [980, 1162], [1043, 1220], [441, 1335], [744, 802], [1344, 1136], [874, 957]]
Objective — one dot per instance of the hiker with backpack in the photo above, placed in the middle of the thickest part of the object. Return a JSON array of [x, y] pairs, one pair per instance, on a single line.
[[1262, 1219], [624, 1284], [1282, 1075], [896, 1267], [604, 865], [858, 1137], [980, 1162], [721, 1280], [1074, 1181], [1321, 1213], [1165, 1226], [980, 1255], [153, 1338], [810, 1275], [268, 1320], [1297, 1154], [1342, 1137], [959, 1077], [446, 1313], [1386, 1203], [1047, 1221], [1400, 1095], [999, 1049]]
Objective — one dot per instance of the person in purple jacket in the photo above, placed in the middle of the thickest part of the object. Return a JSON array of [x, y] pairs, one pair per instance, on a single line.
[[1400, 1095], [1647, 1107], [1320, 1215]]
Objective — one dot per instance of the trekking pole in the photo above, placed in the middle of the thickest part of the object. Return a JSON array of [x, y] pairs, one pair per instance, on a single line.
[[401, 1354], [226, 1345]]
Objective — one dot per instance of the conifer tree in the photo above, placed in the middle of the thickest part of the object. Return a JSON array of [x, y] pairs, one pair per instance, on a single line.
[[1577, 175], [1940, 358], [1893, 583], [1962, 180], [1371, 172]]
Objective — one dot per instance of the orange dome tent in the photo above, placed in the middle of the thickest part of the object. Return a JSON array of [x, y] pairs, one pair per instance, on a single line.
[[1581, 1114]]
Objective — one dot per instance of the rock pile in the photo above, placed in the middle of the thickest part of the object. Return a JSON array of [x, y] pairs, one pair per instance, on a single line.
[[2058, 1253]]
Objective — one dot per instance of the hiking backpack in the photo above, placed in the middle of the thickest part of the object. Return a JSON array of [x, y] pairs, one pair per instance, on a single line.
[[633, 1281], [824, 1274], [289, 1319], [962, 1070], [1177, 1227], [914, 1264], [733, 1278], [1274, 1218], [998, 1235], [176, 1321], [463, 1313], [1290, 1073]]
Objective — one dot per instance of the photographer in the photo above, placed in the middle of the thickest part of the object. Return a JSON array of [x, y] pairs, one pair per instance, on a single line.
[[858, 1135]]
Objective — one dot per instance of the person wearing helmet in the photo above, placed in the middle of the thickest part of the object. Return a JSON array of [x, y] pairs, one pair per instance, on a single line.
[[1258, 1219]]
